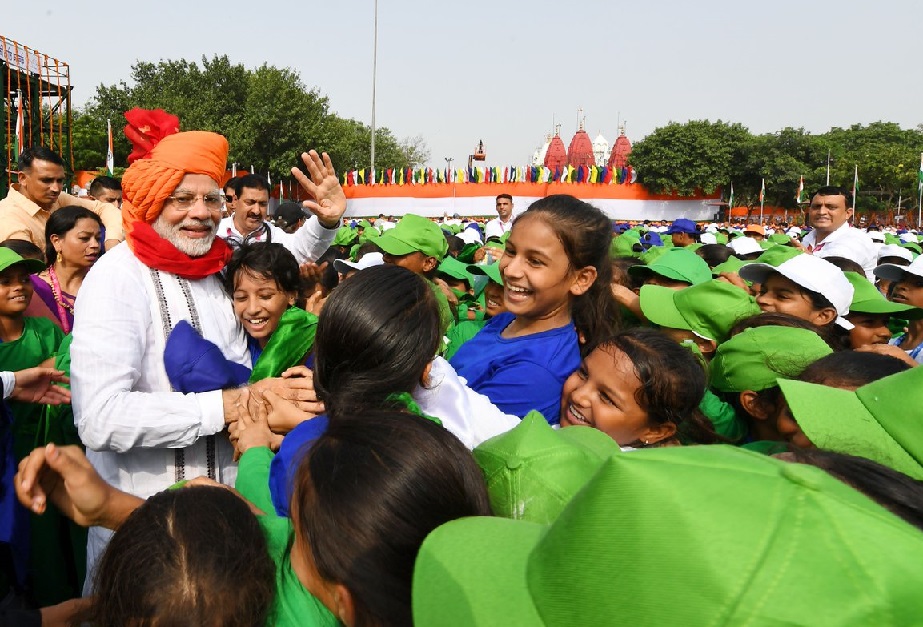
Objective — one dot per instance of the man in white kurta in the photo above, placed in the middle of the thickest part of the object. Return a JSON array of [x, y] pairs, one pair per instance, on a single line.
[[140, 434], [829, 214]]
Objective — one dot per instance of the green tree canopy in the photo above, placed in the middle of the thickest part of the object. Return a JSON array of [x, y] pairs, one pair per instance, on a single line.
[[268, 115]]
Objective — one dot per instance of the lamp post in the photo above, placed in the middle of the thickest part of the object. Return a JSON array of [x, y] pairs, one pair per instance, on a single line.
[[448, 161]]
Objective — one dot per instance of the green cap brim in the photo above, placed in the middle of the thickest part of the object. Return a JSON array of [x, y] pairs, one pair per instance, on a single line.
[[33, 266], [644, 272], [836, 420], [882, 306], [658, 307], [491, 271], [454, 584], [393, 246]]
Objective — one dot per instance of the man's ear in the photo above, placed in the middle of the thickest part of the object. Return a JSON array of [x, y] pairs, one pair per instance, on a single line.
[[430, 264], [583, 280]]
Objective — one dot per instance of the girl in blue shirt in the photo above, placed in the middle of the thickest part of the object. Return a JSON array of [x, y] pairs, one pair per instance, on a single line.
[[556, 275]]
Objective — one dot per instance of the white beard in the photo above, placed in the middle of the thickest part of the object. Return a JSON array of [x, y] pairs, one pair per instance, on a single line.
[[192, 247]]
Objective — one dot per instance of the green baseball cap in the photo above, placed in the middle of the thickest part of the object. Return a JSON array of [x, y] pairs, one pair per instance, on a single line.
[[878, 421], [678, 264], [779, 238], [455, 269], [708, 309], [9, 258], [491, 271], [732, 265], [777, 255], [414, 233], [623, 245], [867, 299], [637, 546], [534, 470], [344, 236], [755, 358], [913, 247]]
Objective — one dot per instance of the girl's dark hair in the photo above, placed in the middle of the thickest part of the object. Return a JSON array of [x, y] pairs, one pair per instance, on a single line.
[[192, 556], [714, 254], [375, 336], [896, 492], [852, 369], [619, 268], [846, 265], [768, 398], [60, 223], [267, 261], [672, 381], [369, 492], [585, 233], [831, 336]]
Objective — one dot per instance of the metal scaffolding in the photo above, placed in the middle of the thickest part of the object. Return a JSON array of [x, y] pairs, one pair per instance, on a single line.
[[39, 86]]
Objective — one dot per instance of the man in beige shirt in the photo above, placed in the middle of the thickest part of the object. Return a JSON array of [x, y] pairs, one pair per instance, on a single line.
[[25, 210]]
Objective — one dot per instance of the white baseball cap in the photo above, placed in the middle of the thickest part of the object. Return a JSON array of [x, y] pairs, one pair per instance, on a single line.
[[893, 250], [812, 273], [708, 238], [745, 246], [894, 272], [367, 260], [876, 236]]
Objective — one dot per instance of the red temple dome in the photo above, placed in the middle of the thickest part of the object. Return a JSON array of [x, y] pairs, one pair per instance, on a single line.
[[581, 150], [620, 151], [556, 157]]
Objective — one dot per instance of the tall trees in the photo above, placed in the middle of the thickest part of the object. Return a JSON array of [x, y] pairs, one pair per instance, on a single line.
[[703, 155], [268, 115]]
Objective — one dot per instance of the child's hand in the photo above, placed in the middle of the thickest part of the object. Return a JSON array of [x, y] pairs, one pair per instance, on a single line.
[[252, 429], [282, 415], [64, 476]]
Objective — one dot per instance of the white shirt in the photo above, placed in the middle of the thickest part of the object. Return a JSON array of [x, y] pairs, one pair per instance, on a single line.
[[470, 416], [307, 243], [496, 228], [847, 242], [125, 412]]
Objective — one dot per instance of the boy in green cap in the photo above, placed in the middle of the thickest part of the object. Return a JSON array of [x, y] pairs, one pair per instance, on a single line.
[[675, 268], [418, 245], [493, 303], [871, 314], [702, 315], [746, 370], [879, 421]]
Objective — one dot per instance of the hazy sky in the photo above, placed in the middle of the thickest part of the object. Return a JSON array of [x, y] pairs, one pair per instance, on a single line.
[[502, 71]]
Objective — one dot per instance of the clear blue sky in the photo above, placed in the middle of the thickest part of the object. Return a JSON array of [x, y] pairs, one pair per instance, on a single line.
[[501, 71]]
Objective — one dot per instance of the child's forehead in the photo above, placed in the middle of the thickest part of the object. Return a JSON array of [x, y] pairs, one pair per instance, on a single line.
[[779, 281]]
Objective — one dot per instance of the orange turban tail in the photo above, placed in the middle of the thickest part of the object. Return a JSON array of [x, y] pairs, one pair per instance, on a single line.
[[147, 183]]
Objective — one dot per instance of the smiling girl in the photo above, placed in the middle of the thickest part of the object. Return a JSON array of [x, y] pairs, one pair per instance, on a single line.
[[640, 388], [907, 290], [556, 275]]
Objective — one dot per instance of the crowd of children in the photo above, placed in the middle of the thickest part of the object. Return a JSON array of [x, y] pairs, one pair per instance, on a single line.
[[563, 421]]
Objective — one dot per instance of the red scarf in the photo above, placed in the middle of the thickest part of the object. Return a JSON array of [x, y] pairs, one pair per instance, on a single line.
[[156, 252]]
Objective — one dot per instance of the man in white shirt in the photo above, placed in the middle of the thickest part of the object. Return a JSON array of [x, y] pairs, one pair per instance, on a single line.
[[141, 435], [248, 222], [832, 236], [504, 222]]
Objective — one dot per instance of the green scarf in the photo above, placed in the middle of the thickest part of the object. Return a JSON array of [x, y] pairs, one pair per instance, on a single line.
[[288, 345]]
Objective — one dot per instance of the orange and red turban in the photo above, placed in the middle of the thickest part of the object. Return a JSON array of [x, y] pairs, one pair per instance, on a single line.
[[147, 183]]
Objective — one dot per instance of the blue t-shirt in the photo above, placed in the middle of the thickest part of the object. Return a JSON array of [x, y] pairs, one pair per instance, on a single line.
[[295, 444], [523, 373]]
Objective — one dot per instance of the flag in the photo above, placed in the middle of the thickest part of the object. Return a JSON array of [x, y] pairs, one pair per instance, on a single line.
[[17, 148], [234, 170], [269, 179], [110, 159], [252, 171], [920, 190], [800, 191], [762, 192], [855, 186], [731, 198]]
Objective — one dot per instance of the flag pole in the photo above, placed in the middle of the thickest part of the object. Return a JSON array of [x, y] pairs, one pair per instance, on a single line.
[[762, 198]]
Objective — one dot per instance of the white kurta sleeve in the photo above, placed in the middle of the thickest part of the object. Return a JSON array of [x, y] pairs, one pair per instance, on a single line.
[[307, 243], [117, 396]]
